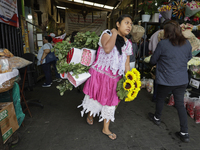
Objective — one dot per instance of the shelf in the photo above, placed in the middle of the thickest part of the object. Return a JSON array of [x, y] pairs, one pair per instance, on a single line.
[[152, 23]]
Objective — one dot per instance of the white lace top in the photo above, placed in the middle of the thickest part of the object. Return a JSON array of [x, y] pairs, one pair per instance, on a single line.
[[113, 60]]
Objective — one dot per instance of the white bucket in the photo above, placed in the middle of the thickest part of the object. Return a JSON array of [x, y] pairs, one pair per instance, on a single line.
[[155, 17], [146, 18]]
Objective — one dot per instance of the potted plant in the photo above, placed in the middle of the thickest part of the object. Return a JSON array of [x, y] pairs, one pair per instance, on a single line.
[[147, 8]]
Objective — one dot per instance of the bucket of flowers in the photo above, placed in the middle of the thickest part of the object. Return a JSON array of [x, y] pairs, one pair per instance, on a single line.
[[129, 86], [147, 8]]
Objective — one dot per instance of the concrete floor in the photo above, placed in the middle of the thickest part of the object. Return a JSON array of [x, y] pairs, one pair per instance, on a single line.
[[59, 125]]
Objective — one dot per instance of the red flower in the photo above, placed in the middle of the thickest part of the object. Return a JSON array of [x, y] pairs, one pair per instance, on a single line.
[[165, 3]]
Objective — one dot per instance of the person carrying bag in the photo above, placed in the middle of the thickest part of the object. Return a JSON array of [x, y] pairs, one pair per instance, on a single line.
[[45, 58]]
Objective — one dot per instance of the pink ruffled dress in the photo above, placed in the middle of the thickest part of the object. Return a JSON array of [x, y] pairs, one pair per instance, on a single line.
[[100, 88]]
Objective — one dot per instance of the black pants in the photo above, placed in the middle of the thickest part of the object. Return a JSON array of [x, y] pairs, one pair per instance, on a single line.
[[178, 92], [47, 71], [55, 69]]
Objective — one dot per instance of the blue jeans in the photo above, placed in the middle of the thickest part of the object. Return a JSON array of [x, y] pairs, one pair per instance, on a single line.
[[178, 92], [47, 71]]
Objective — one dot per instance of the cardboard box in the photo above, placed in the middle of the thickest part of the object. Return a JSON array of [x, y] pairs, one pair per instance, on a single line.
[[8, 120]]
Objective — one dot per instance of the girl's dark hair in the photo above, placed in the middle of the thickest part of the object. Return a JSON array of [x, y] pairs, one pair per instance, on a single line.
[[121, 18], [48, 38], [165, 22], [173, 32]]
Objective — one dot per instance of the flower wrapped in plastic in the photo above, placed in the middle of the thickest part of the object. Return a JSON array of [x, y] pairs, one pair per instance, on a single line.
[[129, 86], [192, 8], [166, 11], [195, 71]]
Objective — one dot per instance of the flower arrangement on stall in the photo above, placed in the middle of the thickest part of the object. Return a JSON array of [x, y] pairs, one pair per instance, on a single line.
[[129, 86], [64, 51], [166, 11], [178, 9], [146, 6], [195, 71], [186, 26], [196, 20], [194, 66], [192, 8]]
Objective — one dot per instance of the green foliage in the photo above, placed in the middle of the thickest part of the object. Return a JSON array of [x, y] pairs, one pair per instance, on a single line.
[[147, 7], [121, 92], [66, 85], [81, 40]]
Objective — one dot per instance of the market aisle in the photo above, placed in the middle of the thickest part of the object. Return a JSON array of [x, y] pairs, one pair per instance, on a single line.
[[58, 126]]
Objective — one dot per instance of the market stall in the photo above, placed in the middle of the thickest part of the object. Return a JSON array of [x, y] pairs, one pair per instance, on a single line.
[[11, 114]]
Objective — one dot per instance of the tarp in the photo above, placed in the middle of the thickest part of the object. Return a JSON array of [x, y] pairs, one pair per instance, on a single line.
[[75, 21]]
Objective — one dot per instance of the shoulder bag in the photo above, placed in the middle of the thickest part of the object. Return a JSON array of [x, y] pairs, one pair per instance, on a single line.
[[50, 56]]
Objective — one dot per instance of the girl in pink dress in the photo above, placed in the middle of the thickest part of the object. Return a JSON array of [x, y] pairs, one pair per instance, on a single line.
[[111, 63]]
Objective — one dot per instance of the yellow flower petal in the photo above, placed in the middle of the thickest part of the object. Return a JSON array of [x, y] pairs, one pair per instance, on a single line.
[[137, 84], [132, 94], [127, 100], [128, 85], [136, 72], [130, 75]]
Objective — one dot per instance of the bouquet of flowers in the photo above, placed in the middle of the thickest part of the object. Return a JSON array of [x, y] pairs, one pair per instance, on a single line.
[[195, 71], [178, 9], [166, 11], [194, 61], [192, 8], [129, 86]]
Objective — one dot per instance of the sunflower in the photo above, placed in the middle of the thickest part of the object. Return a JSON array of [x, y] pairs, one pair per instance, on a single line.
[[130, 75], [137, 84], [136, 72], [132, 94], [127, 99], [128, 85]]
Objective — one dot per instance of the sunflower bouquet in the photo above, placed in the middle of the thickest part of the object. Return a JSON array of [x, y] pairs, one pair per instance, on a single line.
[[129, 86]]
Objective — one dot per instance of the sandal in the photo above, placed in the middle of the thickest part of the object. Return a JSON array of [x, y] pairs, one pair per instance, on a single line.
[[112, 136], [90, 122]]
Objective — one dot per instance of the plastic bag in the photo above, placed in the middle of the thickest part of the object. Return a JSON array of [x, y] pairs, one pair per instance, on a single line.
[[18, 62], [143, 83], [137, 32], [190, 107], [171, 100], [5, 86], [197, 111], [17, 104], [186, 98], [5, 52], [149, 85], [191, 9], [4, 65]]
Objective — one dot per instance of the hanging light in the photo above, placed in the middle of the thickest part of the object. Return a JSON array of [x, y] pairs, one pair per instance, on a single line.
[[29, 15]]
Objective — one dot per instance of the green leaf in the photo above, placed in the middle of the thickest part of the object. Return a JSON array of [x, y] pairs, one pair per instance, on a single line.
[[120, 95], [87, 33]]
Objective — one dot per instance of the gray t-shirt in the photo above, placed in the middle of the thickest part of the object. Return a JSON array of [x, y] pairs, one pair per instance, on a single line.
[[40, 53]]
